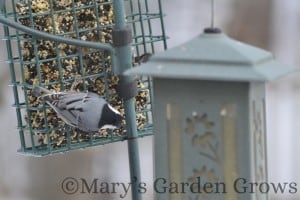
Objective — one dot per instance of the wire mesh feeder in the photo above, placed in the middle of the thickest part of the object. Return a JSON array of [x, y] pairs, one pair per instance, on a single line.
[[55, 66]]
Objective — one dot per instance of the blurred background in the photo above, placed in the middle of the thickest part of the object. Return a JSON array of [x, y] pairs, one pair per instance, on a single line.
[[269, 24]]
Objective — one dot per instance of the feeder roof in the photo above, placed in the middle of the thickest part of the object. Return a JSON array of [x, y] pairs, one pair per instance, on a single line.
[[213, 56]]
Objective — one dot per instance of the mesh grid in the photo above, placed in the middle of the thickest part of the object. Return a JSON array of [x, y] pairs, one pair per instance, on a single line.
[[56, 66]]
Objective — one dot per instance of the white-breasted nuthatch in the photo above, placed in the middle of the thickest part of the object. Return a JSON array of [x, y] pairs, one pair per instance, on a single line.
[[86, 111]]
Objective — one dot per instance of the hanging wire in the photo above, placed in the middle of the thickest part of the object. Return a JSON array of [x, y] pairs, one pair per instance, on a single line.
[[212, 28], [55, 38], [212, 14]]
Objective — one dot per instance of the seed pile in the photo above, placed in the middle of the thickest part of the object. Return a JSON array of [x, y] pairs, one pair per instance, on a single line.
[[57, 65]]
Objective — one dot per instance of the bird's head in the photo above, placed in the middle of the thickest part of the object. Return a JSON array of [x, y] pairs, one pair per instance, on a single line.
[[110, 118]]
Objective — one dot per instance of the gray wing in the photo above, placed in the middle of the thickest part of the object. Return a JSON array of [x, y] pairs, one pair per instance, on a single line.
[[92, 106], [68, 105], [78, 109]]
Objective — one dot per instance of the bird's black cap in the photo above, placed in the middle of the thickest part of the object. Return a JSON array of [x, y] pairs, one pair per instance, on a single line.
[[110, 117]]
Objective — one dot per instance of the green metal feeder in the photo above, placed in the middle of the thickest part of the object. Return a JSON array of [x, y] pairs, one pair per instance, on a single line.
[[55, 42], [209, 118]]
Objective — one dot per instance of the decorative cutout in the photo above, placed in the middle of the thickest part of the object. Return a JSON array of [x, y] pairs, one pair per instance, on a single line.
[[192, 122], [205, 139], [259, 143], [199, 128], [202, 140], [207, 176], [190, 126], [210, 176]]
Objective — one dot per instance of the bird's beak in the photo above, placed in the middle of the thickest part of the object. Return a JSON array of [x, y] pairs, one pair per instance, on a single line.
[[120, 120]]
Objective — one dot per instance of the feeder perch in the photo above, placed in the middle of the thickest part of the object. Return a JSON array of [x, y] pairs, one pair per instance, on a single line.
[[209, 116]]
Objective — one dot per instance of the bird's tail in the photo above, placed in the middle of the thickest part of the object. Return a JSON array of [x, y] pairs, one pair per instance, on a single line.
[[41, 93], [38, 91]]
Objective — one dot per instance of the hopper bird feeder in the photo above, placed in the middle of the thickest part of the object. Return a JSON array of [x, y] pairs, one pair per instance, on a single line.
[[209, 117]]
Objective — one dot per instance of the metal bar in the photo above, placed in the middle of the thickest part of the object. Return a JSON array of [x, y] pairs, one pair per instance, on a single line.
[[14, 86], [23, 143], [60, 39], [142, 25], [99, 27], [149, 26], [124, 56], [162, 25], [133, 21]]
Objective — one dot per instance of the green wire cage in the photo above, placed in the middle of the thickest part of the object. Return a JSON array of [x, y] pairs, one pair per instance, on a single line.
[[74, 59]]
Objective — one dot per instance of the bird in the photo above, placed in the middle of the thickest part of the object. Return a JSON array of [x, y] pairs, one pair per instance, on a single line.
[[87, 111], [143, 58]]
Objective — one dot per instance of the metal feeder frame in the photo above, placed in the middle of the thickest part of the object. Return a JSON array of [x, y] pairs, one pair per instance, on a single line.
[[143, 41]]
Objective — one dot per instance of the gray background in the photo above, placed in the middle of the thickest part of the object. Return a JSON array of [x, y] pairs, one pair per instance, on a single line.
[[269, 24]]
